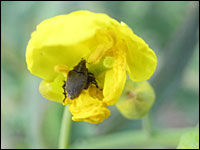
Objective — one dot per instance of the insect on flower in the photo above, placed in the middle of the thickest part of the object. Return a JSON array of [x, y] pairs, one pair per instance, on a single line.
[[78, 79], [112, 49]]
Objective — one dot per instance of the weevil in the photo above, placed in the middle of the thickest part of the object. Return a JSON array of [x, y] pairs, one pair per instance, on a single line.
[[78, 79]]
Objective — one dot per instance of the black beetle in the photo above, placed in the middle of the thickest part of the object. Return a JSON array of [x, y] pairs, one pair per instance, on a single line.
[[78, 79]]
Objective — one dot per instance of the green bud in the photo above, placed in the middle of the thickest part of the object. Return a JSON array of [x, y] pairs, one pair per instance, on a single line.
[[136, 100]]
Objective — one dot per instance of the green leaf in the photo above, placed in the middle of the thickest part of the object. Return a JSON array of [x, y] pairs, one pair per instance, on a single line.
[[189, 140]]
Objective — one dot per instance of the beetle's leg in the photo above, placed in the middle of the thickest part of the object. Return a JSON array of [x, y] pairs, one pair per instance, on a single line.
[[65, 94], [91, 79], [95, 83]]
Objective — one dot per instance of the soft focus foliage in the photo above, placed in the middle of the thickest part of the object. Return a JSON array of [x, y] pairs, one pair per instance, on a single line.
[[30, 121], [189, 140]]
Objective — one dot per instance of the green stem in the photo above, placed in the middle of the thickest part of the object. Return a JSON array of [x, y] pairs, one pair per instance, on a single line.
[[65, 129], [146, 124]]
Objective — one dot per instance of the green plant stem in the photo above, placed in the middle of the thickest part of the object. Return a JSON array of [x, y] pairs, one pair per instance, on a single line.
[[146, 125], [65, 129], [164, 138]]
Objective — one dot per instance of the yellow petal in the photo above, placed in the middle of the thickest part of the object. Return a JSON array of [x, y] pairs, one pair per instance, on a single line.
[[101, 44], [115, 78], [141, 59], [41, 62], [88, 109], [53, 90], [65, 39]]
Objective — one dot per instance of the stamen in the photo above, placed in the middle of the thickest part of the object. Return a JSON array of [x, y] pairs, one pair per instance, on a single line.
[[62, 69]]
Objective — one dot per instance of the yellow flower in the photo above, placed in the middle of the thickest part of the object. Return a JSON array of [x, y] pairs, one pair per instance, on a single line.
[[110, 49]]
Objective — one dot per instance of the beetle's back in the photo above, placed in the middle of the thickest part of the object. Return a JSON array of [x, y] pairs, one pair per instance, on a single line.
[[76, 82]]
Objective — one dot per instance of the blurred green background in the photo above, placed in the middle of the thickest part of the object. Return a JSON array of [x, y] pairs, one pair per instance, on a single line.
[[171, 29]]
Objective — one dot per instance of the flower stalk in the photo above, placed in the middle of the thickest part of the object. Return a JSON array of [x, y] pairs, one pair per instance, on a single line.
[[65, 130], [146, 124]]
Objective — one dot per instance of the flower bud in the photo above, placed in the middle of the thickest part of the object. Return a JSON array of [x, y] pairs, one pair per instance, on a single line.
[[137, 99]]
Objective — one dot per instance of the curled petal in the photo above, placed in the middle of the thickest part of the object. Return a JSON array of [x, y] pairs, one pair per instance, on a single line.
[[115, 78], [89, 109]]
